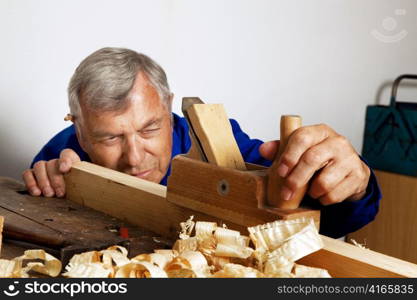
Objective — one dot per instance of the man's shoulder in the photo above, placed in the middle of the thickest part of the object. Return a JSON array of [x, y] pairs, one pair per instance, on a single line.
[[65, 133], [180, 123]]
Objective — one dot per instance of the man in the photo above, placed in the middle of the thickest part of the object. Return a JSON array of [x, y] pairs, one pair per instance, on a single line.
[[120, 105]]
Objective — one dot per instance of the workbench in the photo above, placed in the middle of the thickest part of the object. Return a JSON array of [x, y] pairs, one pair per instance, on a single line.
[[63, 228]]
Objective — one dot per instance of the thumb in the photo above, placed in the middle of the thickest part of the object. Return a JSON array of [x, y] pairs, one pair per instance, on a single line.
[[66, 159], [269, 150]]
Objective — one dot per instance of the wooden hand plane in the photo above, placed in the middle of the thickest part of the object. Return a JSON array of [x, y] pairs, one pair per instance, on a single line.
[[213, 178]]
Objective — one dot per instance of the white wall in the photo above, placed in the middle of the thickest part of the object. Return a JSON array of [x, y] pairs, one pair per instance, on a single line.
[[259, 58]]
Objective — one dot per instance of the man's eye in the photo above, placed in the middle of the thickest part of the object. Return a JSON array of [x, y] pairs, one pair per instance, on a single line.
[[150, 131], [109, 140]]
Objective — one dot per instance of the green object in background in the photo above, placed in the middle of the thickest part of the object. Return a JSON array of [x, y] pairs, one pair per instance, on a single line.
[[390, 139]]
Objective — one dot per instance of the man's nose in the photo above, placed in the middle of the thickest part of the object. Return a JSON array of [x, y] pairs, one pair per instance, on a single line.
[[134, 153]]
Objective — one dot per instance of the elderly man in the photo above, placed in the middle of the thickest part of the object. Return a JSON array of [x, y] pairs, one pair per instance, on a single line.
[[120, 105]]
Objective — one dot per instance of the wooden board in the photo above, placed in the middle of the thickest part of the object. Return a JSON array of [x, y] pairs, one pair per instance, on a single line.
[[394, 230], [143, 203], [128, 198], [345, 260], [215, 134]]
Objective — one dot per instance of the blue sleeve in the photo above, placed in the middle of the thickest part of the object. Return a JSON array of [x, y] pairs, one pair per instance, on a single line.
[[248, 147], [63, 140], [336, 220]]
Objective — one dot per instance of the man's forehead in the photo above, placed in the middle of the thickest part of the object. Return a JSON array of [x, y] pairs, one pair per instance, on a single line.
[[136, 114]]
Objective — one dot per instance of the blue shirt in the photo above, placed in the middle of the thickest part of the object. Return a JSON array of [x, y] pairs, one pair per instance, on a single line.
[[336, 220]]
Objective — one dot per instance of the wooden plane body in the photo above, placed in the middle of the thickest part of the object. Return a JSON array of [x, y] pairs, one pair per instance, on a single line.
[[233, 195]]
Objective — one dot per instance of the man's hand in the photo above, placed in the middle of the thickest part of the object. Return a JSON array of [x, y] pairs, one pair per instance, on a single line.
[[47, 177], [319, 154]]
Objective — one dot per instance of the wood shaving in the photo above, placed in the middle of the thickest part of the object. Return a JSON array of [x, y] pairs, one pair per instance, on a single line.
[[20, 267], [362, 246]]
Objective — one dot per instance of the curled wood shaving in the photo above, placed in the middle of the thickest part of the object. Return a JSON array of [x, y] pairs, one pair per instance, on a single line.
[[186, 228], [140, 269], [49, 266]]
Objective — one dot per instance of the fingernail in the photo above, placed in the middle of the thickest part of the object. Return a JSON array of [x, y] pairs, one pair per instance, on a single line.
[[282, 170], [48, 192], [34, 191], [59, 193], [62, 166], [286, 193]]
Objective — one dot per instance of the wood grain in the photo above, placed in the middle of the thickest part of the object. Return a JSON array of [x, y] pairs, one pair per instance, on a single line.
[[215, 134], [394, 230], [288, 124], [345, 260], [233, 195], [128, 198]]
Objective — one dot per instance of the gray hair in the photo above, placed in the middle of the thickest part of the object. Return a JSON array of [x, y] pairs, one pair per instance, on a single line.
[[104, 79]]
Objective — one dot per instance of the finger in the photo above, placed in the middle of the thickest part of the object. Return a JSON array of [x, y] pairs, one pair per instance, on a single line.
[[56, 178], [298, 143], [30, 183], [362, 174], [342, 191], [311, 161], [269, 150], [66, 158], [328, 178], [41, 176]]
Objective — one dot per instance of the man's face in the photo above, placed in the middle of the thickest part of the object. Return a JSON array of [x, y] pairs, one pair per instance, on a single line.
[[136, 140]]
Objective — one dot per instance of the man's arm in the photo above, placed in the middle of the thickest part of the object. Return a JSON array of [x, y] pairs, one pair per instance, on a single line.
[[336, 219]]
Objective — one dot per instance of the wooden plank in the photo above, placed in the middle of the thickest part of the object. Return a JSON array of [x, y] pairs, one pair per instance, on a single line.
[[132, 199], [215, 134], [394, 230], [345, 260]]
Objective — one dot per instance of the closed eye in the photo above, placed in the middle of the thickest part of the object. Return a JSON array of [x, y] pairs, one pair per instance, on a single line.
[[150, 131], [110, 139]]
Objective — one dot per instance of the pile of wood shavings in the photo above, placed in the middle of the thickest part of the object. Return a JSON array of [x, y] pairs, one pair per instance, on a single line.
[[212, 252]]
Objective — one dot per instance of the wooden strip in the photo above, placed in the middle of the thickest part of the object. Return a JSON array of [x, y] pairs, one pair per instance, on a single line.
[[215, 134], [345, 260], [128, 198]]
